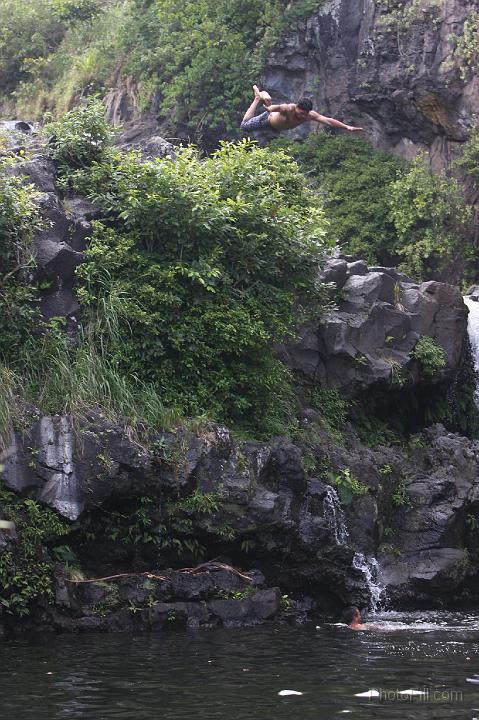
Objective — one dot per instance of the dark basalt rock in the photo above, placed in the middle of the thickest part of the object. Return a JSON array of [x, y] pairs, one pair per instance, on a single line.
[[40, 171], [60, 244], [380, 317], [399, 79]]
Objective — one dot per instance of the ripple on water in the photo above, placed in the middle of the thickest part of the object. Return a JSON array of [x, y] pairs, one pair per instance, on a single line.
[[220, 674]]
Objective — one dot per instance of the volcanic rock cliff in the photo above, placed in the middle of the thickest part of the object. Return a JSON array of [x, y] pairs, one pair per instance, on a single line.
[[396, 68], [302, 516]]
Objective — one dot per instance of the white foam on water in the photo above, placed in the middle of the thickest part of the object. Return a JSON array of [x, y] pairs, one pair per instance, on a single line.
[[367, 694], [283, 693], [411, 692]]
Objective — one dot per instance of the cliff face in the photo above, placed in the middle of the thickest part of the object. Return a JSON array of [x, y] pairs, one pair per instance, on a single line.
[[395, 68], [299, 515]]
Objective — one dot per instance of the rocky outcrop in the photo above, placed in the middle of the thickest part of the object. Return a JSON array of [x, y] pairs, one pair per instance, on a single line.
[[272, 508], [59, 246], [281, 524], [263, 494], [143, 135], [391, 67], [434, 532], [381, 314], [211, 597]]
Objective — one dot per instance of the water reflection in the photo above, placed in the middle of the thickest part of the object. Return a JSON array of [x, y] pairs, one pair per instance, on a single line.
[[239, 673]]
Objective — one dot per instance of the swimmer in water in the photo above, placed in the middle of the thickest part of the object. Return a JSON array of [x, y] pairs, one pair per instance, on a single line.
[[352, 618]]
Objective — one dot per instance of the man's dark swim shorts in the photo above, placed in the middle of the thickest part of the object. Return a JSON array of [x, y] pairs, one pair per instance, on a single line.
[[259, 122]]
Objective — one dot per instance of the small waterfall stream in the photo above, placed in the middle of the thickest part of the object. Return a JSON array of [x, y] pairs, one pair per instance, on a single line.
[[334, 514], [368, 565], [473, 331]]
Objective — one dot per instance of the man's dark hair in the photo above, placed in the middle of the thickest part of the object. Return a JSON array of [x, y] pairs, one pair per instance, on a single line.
[[349, 613], [304, 103]]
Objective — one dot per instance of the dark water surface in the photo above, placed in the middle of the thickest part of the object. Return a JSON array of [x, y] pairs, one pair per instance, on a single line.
[[237, 674]]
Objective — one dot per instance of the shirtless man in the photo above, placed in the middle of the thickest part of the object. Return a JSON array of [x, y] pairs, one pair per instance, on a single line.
[[352, 618], [286, 116]]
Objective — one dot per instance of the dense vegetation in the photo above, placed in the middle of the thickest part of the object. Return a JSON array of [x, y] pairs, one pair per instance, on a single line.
[[199, 269], [390, 211], [195, 61]]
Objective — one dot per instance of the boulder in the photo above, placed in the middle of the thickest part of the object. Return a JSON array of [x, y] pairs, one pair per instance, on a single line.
[[55, 260], [39, 171], [367, 341], [335, 270]]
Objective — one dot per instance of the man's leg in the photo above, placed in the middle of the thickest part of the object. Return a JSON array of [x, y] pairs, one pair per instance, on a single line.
[[251, 111]]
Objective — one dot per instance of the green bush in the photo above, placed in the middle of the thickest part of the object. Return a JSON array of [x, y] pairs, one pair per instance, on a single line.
[[81, 137], [19, 218], [26, 567], [212, 262], [432, 222], [387, 210], [28, 31], [469, 160], [430, 356], [355, 180], [347, 485]]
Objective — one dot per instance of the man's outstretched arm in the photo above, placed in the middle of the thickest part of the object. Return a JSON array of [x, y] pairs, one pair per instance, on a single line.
[[331, 121]]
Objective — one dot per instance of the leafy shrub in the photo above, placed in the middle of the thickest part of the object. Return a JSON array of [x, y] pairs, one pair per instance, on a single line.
[[19, 217], [28, 31], [432, 222], [400, 497], [429, 355], [347, 486], [213, 262], [26, 568], [161, 529], [80, 137], [387, 210], [466, 45], [469, 160], [355, 180]]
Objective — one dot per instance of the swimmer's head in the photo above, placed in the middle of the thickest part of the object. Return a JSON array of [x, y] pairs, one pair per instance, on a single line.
[[303, 107], [352, 616]]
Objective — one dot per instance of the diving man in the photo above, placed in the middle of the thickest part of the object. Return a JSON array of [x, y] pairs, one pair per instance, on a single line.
[[285, 116]]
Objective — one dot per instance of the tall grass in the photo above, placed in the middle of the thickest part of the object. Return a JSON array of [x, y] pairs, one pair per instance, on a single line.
[[8, 402], [85, 380]]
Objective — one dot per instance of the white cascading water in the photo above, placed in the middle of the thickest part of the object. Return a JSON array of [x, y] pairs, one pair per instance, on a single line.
[[369, 566], [334, 515], [473, 331]]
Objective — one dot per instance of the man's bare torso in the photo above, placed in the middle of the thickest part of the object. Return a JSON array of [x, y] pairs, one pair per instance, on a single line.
[[285, 120]]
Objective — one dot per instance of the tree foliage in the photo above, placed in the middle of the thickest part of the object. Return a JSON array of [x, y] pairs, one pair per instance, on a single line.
[[196, 61], [19, 217], [354, 179], [210, 262], [432, 222], [388, 210]]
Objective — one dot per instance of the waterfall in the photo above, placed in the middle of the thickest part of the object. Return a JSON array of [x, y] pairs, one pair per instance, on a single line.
[[473, 331], [334, 515], [369, 566]]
